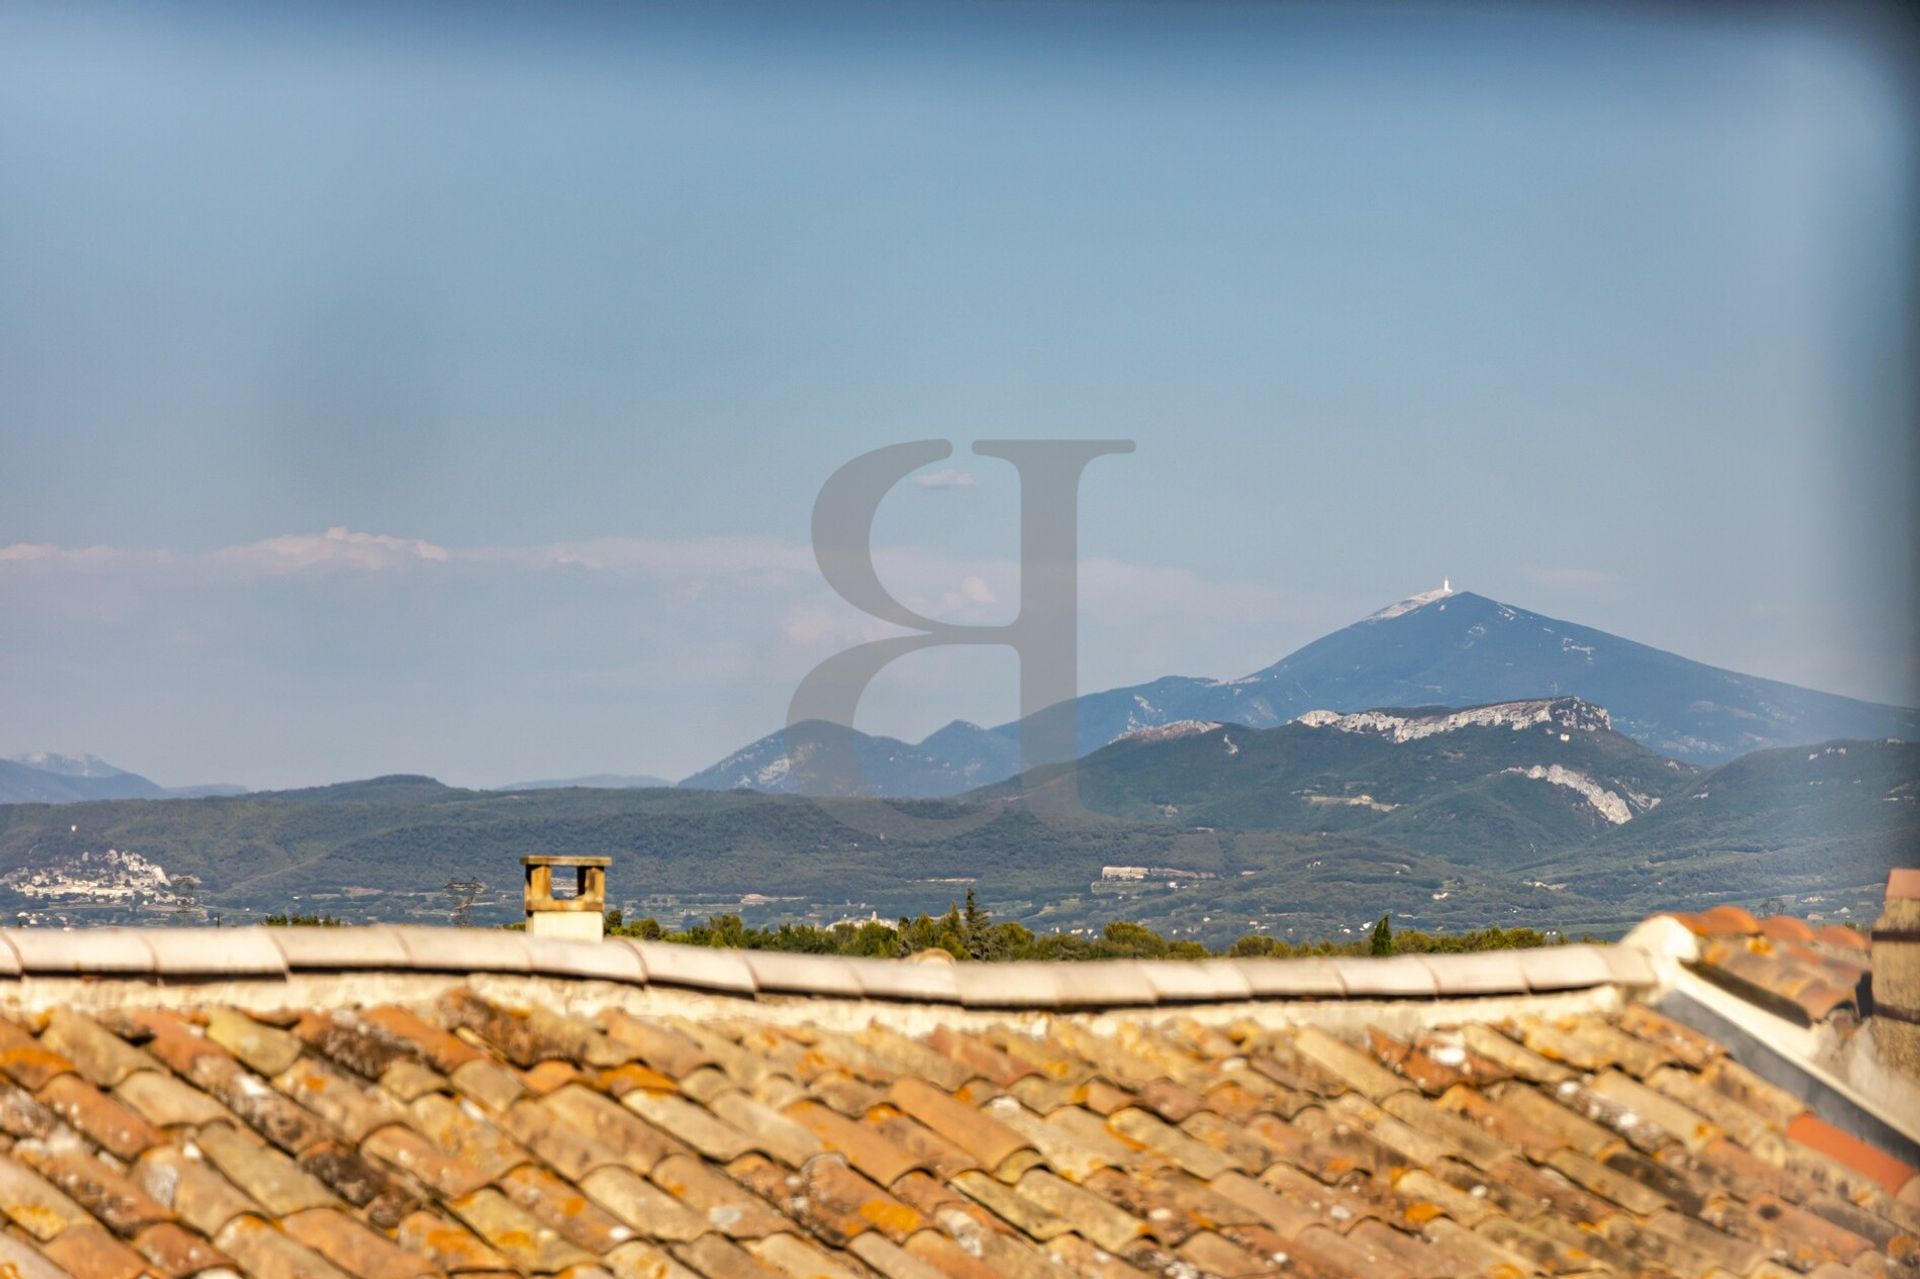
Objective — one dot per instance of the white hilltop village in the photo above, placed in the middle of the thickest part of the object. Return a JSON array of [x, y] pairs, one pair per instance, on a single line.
[[107, 878]]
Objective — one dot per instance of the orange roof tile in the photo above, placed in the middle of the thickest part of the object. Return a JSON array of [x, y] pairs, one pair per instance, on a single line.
[[1811, 1130], [1786, 928], [1843, 938], [461, 1134], [1730, 919]]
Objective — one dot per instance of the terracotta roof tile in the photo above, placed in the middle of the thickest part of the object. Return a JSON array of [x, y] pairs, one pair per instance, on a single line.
[[27, 1061], [465, 1134], [840, 1205], [1421, 1197], [1677, 1120], [720, 1258], [192, 1188], [442, 1049], [641, 1204], [1682, 1042], [19, 1257], [1512, 1056], [524, 1240], [99, 1117], [263, 1048], [477, 1134], [266, 1175], [787, 1141], [104, 1191], [1164, 1199], [35, 1204], [490, 1085], [90, 1251], [264, 1251], [1784, 928], [402, 1148], [100, 1055], [353, 1247], [1347, 1064], [174, 1252], [1842, 938], [1081, 1257], [796, 1258], [347, 1173], [447, 1245], [1740, 1084], [862, 1145], [978, 1056], [556, 1202], [347, 1105], [1729, 919], [727, 1205], [929, 1149], [1811, 1130], [991, 1142]]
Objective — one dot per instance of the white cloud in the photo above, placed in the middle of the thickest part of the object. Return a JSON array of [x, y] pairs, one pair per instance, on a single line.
[[336, 548], [657, 557], [976, 591], [340, 547], [684, 648], [39, 555], [948, 478]]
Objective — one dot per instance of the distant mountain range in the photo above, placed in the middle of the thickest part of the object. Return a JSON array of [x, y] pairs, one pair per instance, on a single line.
[[958, 758], [42, 777], [1535, 812], [1445, 647], [1514, 775], [1441, 648]]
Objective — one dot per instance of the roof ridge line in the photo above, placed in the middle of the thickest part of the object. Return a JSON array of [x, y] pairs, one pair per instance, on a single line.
[[258, 953]]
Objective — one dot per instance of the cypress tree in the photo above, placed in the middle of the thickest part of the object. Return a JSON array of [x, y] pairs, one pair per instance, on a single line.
[[1382, 943]]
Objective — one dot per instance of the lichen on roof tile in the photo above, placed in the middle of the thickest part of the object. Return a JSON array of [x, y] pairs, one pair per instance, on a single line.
[[1145, 1123]]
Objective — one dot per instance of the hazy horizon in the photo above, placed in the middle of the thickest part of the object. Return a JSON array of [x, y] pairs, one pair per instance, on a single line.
[[403, 389]]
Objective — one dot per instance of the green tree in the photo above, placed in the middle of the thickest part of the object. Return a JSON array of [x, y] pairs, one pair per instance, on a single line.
[[1128, 940], [975, 927], [1382, 941]]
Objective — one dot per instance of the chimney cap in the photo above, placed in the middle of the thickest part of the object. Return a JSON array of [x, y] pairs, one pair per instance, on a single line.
[[1903, 884], [563, 859]]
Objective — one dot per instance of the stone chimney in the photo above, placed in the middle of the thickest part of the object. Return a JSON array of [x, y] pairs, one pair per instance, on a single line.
[[1896, 974], [578, 915]]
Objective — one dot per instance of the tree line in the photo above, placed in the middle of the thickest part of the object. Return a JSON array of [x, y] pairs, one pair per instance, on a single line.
[[969, 933]]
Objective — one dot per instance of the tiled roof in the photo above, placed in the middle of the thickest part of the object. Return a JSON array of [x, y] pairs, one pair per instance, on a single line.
[[169, 1132], [1786, 965]]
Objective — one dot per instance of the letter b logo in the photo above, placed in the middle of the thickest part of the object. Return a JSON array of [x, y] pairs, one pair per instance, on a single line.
[[1044, 634]]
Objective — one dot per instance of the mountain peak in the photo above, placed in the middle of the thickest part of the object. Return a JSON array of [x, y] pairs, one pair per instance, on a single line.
[[82, 765], [1412, 602]]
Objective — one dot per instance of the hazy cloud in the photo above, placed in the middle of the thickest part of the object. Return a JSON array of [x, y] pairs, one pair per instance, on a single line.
[[948, 478], [659, 654], [1584, 583], [336, 548]]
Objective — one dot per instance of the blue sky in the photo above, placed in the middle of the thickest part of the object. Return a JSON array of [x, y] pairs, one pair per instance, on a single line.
[[562, 321]]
